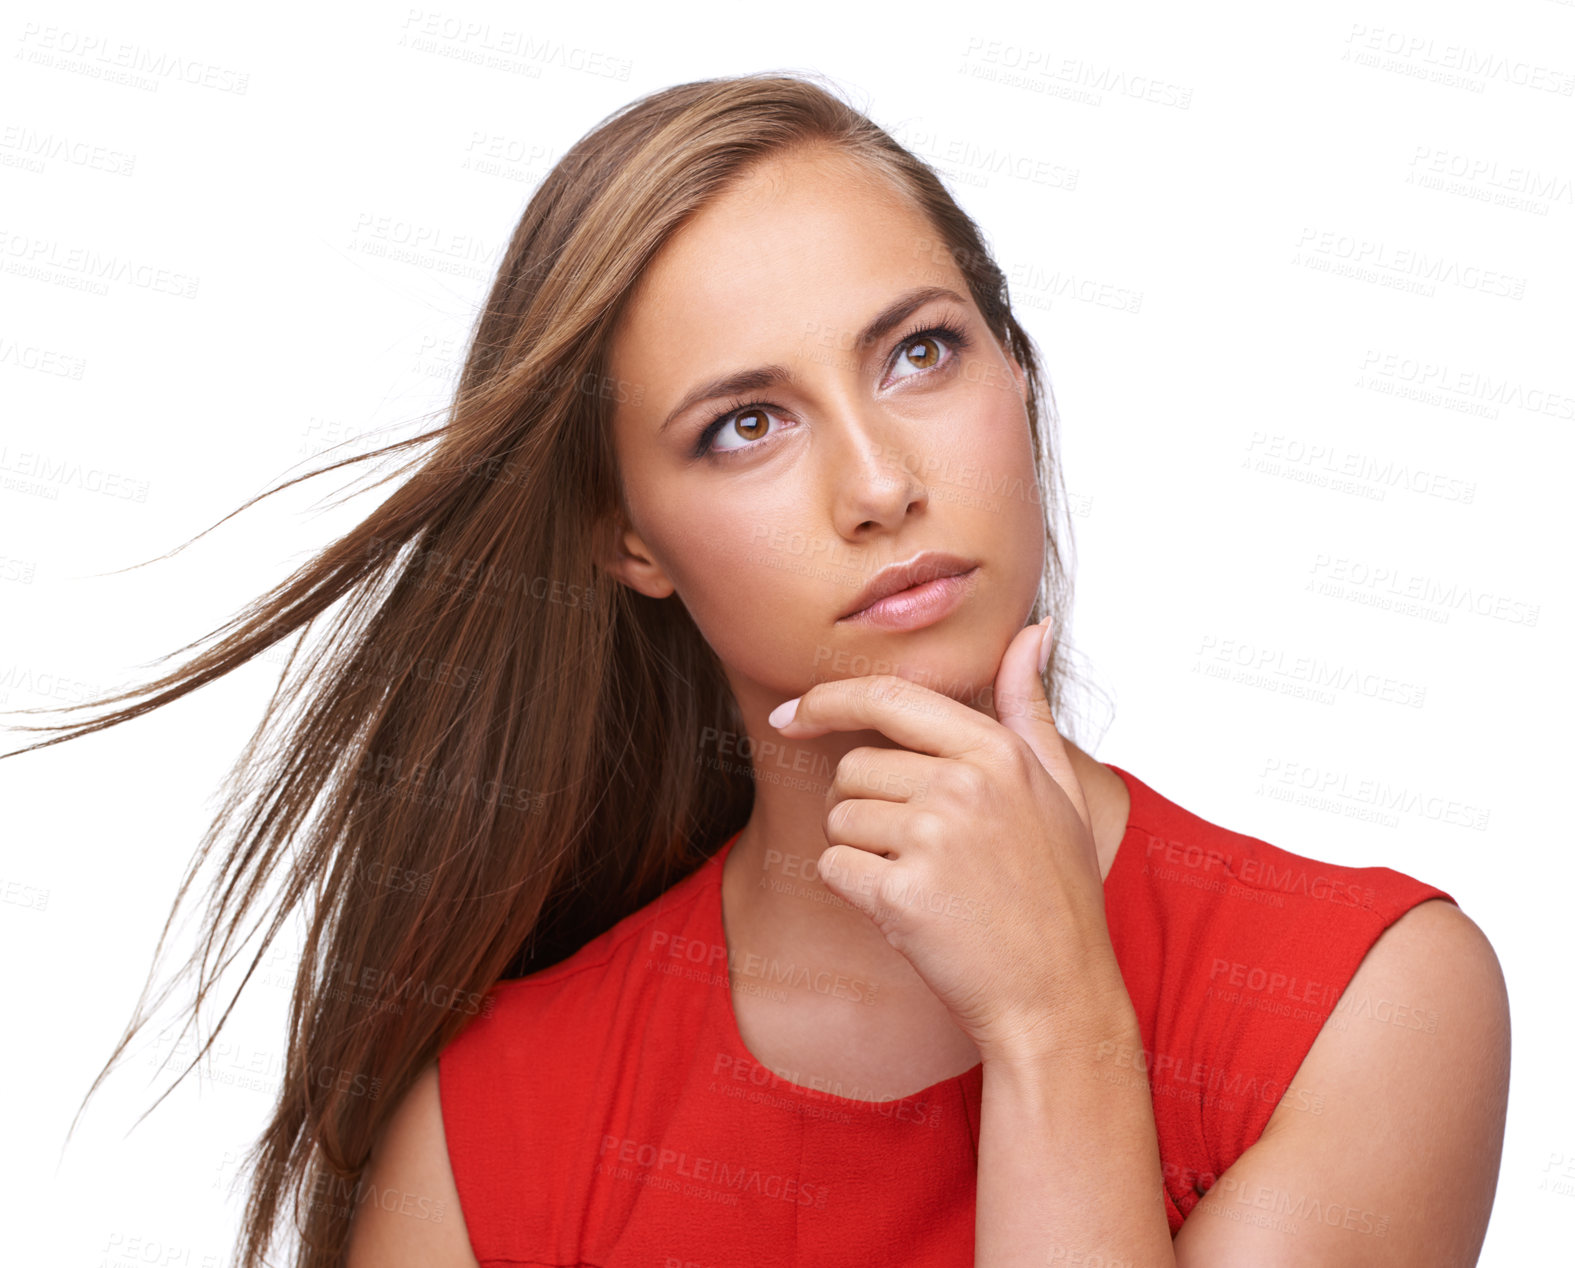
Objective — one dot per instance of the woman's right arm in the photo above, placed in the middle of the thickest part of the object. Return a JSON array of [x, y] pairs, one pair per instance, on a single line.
[[407, 1209]]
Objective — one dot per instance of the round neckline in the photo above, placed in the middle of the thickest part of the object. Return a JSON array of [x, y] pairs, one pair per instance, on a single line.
[[969, 1082]]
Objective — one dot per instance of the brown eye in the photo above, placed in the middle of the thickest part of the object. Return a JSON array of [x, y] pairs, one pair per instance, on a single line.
[[922, 362], [742, 429], [751, 430]]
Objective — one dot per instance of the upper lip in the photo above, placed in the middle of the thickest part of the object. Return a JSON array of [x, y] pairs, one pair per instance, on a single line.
[[927, 565]]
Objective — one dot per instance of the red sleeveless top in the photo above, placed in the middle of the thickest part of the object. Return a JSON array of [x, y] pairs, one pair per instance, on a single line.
[[605, 1112]]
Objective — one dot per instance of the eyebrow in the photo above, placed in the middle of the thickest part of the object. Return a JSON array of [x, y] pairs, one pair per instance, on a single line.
[[767, 376]]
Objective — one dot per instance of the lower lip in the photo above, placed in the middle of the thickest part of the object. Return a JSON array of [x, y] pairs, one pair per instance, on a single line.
[[917, 606]]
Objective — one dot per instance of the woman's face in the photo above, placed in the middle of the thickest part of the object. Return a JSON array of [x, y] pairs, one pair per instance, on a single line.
[[768, 509]]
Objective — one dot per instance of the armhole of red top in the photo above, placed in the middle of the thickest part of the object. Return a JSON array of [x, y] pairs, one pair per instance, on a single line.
[[1405, 896], [460, 1119]]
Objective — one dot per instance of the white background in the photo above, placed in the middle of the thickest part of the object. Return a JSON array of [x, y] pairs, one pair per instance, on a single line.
[[1218, 169]]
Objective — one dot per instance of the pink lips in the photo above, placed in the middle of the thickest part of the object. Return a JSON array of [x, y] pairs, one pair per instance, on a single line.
[[916, 607]]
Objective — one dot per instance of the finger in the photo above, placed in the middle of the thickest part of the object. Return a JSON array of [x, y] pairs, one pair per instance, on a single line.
[[1023, 707], [1018, 692], [911, 715], [882, 888], [888, 829], [884, 774], [853, 875]]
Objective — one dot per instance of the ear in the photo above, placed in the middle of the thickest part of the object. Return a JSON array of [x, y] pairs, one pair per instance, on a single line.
[[622, 553]]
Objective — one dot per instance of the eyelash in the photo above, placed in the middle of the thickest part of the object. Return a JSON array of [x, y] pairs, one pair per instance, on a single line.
[[945, 328]]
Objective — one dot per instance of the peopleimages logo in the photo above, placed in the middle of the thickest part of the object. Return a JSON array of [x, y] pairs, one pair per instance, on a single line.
[[1455, 64], [1257, 873], [386, 991], [730, 1177], [1376, 260], [1436, 381]]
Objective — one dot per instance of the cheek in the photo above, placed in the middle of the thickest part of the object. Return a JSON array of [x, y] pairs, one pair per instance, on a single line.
[[982, 475], [749, 584]]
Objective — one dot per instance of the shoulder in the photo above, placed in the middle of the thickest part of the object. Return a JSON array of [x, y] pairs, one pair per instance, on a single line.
[[1425, 1017], [552, 1048], [1238, 954], [1195, 886], [1437, 948], [1255, 944], [407, 1212], [1414, 1065]]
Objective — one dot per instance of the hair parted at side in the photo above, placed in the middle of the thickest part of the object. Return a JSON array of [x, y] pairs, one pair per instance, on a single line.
[[439, 831]]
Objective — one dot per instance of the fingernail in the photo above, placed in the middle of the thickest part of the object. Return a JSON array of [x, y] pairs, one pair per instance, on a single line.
[[783, 713], [1044, 647]]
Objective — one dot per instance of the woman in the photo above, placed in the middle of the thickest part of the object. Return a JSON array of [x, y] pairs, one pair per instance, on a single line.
[[703, 876]]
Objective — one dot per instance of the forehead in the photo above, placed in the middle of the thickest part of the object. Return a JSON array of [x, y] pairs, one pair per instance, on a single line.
[[804, 242]]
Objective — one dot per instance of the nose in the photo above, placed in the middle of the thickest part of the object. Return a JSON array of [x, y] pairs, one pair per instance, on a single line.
[[875, 476]]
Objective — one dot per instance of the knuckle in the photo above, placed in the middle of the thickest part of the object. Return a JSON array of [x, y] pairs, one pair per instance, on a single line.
[[928, 827], [967, 780], [1013, 754]]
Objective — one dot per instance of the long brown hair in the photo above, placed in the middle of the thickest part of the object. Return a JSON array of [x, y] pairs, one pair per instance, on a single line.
[[491, 754]]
